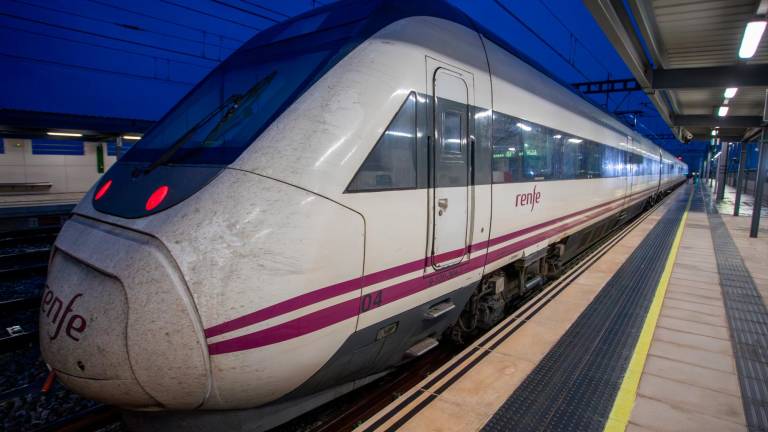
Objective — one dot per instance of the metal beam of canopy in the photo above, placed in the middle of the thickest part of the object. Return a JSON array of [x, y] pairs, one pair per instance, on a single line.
[[615, 21], [713, 121], [740, 75]]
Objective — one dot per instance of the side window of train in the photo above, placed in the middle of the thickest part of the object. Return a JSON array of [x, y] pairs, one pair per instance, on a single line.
[[523, 151], [572, 155], [451, 152], [636, 161], [507, 149], [451, 133], [539, 151], [392, 162], [592, 160]]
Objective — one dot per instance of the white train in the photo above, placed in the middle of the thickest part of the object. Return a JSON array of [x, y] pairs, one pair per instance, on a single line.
[[343, 191]]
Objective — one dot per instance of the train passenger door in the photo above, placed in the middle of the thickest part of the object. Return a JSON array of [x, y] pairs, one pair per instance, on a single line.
[[449, 198]]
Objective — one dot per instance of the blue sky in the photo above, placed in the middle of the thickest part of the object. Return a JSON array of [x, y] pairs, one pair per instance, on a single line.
[[136, 59]]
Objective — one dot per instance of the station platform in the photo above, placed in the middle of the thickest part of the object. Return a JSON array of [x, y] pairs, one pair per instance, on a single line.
[[662, 328], [39, 199], [725, 206], [35, 210]]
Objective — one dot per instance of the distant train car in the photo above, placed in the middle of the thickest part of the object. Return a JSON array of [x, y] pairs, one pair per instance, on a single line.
[[347, 189]]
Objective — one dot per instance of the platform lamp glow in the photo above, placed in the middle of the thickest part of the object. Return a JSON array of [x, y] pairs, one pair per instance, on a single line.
[[751, 40]]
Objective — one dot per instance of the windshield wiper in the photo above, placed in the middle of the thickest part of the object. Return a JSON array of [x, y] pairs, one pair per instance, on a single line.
[[233, 102]]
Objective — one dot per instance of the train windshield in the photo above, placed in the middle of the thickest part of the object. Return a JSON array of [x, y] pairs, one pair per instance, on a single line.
[[225, 113]]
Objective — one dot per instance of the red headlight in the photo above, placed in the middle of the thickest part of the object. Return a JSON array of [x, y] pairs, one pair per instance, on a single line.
[[102, 190], [156, 198]]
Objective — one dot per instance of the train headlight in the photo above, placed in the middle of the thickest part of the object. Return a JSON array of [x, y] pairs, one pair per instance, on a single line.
[[156, 198]]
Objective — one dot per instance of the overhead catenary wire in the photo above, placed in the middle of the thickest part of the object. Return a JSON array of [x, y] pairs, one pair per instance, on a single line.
[[91, 33], [111, 48], [244, 10], [186, 84], [166, 21], [276, 12], [189, 8], [101, 21], [554, 49]]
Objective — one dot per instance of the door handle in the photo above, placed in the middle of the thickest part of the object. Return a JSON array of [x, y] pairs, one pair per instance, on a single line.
[[443, 203]]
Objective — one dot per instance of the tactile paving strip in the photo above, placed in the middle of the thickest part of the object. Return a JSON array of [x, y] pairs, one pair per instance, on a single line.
[[573, 388], [747, 320]]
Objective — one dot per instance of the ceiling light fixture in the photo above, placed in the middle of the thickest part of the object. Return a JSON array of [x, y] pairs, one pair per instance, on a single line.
[[730, 92], [136, 137], [722, 111], [751, 40], [67, 134]]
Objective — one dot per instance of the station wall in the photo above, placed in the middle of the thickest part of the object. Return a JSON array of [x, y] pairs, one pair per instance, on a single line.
[[66, 173]]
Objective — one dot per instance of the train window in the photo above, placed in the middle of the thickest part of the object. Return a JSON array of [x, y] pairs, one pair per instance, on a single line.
[[571, 159], [538, 152], [507, 149], [224, 113], [613, 162], [392, 162], [451, 133], [591, 162], [636, 164], [523, 151]]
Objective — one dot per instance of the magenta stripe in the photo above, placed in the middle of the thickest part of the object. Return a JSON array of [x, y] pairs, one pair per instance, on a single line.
[[379, 276], [337, 313], [298, 327], [284, 307], [391, 273]]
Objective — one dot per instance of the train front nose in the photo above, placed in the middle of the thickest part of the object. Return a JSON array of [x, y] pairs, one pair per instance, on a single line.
[[117, 323]]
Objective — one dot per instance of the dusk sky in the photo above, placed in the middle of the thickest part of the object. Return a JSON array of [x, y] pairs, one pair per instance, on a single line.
[[135, 60]]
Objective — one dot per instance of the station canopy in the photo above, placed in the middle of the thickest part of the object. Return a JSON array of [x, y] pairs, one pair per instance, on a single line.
[[685, 54]]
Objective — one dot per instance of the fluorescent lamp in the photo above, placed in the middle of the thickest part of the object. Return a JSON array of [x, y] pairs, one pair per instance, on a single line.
[[722, 111], [524, 127], [574, 140], [751, 40], [714, 132], [725, 101], [730, 92], [557, 136], [136, 137], [69, 134]]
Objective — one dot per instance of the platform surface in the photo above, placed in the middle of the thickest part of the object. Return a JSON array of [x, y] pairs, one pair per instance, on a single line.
[[690, 376], [39, 199]]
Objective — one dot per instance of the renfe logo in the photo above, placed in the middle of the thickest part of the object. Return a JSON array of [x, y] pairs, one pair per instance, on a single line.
[[530, 198], [58, 314]]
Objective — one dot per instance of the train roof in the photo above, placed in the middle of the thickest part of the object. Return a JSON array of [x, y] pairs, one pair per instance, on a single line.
[[372, 16], [359, 20]]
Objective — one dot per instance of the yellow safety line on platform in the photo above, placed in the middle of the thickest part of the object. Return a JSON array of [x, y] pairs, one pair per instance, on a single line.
[[625, 400]]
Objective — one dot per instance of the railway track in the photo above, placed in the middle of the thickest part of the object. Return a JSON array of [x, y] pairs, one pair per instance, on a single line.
[[351, 410], [25, 245]]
